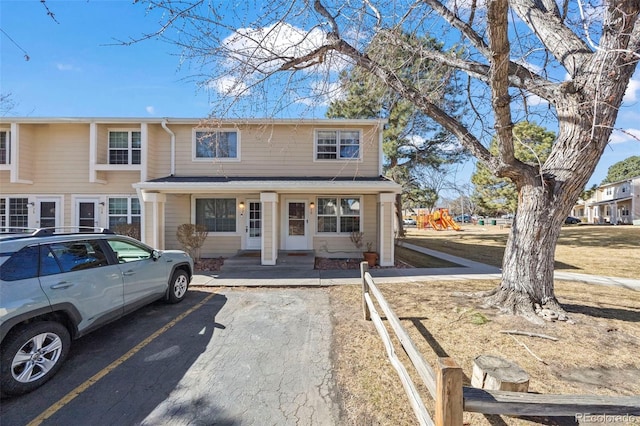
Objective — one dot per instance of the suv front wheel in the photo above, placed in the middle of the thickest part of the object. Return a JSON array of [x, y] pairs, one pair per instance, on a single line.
[[31, 355], [178, 286]]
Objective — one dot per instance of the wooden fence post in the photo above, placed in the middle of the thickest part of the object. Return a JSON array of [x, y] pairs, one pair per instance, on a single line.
[[364, 268], [449, 399]]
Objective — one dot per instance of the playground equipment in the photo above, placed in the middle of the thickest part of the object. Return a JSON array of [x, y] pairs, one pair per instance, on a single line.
[[439, 220]]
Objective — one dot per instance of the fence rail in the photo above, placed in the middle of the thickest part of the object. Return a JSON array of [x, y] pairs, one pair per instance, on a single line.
[[452, 398]]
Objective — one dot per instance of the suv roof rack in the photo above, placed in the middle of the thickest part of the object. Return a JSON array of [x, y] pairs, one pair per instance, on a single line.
[[14, 233], [42, 232], [17, 230]]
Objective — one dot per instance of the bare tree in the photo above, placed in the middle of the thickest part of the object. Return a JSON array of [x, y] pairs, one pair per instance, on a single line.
[[570, 61]]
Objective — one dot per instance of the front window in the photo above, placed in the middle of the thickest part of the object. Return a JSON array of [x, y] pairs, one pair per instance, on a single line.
[[125, 147], [337, 144], [5, 147], [216, 214], [218, 144], [338, 214], [14, 212], [124, 216]]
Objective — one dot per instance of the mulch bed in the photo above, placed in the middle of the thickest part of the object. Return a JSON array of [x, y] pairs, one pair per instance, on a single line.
[[322, 263]]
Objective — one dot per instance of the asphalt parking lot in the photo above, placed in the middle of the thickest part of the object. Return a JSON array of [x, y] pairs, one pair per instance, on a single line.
[[223, 356]]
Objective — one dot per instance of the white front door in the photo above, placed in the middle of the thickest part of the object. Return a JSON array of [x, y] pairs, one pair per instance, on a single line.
[[48, 212], [254, 225], [87, 213], [296, 229]]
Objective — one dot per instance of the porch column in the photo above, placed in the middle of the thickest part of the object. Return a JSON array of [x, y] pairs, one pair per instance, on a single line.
[[386, 247], [269, 243], [156, 216]]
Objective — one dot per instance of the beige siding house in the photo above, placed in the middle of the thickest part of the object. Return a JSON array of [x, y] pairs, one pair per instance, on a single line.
[[269, 186], [617, 203]]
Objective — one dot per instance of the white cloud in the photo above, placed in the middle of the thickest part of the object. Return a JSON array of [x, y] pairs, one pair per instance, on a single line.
[[229, 85], [150, 110], [631, 94], [535, 100], [265, 49], [67, 67], [624, 135]]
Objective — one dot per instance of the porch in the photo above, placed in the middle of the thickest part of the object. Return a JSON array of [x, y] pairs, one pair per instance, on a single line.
[[250, 260]]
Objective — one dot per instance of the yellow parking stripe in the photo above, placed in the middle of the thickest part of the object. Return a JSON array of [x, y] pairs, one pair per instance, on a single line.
[[95, 378]]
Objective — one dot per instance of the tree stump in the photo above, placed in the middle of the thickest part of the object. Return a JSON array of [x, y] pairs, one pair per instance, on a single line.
[[495, 373]]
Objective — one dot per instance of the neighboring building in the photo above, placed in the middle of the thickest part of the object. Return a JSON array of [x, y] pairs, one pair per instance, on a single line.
[[267, 185], [615, 203]]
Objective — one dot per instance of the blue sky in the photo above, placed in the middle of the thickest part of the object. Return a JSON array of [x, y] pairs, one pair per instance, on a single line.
[[76, 69]]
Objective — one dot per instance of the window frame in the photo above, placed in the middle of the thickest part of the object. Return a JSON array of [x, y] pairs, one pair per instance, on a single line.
[[6, 212], [338, 215], [194, 144], [339, 145], [130, 149], [129, 215], [5, 153], [235, 210]]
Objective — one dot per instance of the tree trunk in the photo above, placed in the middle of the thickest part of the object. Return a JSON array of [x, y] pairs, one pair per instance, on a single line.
[[527, 266], [401, 232], [544, 201]]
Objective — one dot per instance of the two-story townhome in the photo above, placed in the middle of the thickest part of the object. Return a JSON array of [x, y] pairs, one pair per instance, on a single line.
[[615, 203], [267, 185]]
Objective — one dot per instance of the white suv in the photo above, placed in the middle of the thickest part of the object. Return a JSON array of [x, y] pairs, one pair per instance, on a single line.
[[58, 287]]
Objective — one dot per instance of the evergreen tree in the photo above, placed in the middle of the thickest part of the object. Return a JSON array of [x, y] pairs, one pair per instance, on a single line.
[[411, 141], [624, 169], [500, 195]]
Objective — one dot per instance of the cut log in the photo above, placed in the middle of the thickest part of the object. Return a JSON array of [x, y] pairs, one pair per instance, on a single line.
[[495, 373]]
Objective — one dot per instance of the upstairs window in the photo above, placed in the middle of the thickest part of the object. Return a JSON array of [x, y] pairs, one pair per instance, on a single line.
[[125, 147], [338, 215], [5, 147], [337, 145], [220, 144]]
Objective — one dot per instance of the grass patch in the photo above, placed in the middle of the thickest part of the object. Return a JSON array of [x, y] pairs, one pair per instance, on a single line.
[[597, 355], [597, 250]]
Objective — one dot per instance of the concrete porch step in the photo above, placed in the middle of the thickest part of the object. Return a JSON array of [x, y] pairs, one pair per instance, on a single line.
[[250, 260]]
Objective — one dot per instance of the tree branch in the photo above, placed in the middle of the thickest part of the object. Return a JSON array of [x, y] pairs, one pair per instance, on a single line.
[[568, 49]]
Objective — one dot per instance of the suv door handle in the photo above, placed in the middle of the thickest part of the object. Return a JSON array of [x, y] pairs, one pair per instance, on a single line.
[[62, 284], [128, 273]]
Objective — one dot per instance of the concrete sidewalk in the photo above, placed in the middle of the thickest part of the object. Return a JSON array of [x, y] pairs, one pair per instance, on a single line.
[[268, 276]]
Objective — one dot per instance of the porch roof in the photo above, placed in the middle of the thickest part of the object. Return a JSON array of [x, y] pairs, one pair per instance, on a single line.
[[280, 184], [606, 202]]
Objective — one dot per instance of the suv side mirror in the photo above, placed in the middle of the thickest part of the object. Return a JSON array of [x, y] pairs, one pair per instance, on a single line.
[[155, 255]]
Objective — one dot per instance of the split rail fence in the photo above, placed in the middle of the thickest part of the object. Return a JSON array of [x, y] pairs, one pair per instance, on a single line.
[[445, 384]]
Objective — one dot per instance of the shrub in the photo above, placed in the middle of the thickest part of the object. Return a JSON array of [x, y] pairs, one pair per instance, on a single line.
[[192, 238]]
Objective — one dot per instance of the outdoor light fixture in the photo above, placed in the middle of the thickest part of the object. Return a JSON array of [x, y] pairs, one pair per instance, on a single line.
[[241, 207], [312, 206]]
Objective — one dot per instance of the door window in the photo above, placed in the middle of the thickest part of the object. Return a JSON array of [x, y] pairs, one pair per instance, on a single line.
[[296, 218], [87, 215], [47, 214], [254, 219], [72, 256]]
